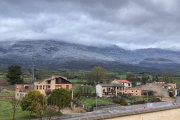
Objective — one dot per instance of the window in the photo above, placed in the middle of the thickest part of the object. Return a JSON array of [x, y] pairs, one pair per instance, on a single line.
[[106, 93], [49, 86], [129, 84], [132, 90], [58, 81], [40, 87], [136, 90], [67, 86], [26, 87], [136, 94], [108, 89], [49, 82], [37, 87], [125, 91], [43, 87]]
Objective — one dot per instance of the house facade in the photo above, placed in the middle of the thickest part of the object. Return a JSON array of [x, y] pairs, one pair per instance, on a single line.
[[109, 90], [44, 87], [55, 82], [21, 90], [126, 83], [134, 91]]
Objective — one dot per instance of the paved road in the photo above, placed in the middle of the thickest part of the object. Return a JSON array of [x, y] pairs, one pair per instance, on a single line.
[[125, 108]]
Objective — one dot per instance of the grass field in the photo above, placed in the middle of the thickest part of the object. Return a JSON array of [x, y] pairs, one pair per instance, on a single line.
[[6, 94], [6, 111], [88, 102], [176, 81], [2, 76], [122, 76], [77, 81], [75, 87]]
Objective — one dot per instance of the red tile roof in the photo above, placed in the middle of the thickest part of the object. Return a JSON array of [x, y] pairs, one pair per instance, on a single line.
[[122, 81]]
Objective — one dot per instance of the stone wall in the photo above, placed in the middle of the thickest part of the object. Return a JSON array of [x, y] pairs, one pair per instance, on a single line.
[[79, 109]]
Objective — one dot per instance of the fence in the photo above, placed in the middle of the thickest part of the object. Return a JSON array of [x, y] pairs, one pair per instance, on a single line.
[[126, 113], [103, 107]]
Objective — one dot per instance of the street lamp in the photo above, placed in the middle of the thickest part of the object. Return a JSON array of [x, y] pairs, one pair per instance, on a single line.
[[96, 96]]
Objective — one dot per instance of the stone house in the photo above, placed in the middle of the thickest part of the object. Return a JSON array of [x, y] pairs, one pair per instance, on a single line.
[[55, 82], [44, 87], [109, 90]]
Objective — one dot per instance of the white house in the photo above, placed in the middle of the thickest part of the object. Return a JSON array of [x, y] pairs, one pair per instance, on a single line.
[[126, 83], [109, 90]]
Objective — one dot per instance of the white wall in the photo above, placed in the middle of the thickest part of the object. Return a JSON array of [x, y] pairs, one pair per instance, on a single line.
[[99, 90]]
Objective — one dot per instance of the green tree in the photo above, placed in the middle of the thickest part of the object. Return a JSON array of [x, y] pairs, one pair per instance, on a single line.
[[131, 77], [38, 76], [15, 104], [14, 75], [98, 74], [144, 79], [157, 79], [171, 78], [165, 77], [59, 97], [31, 100]]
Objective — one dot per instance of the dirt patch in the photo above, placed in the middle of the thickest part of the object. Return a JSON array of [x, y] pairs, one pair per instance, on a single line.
[[6, 97]]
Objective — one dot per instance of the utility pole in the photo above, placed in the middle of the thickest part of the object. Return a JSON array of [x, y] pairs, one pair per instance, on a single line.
[[32, 82]]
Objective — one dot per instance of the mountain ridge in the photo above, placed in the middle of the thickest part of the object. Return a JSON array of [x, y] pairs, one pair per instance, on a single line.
[[58, 52]]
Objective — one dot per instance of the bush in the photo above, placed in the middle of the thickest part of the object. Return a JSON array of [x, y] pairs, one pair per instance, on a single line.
[[156, 100], [119, 101], [31, 100]]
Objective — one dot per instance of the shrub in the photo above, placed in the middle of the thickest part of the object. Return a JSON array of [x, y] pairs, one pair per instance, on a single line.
[[119, 101]]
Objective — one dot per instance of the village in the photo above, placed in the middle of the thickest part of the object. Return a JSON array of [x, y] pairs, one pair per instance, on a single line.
[[117, 90], [63, 97]]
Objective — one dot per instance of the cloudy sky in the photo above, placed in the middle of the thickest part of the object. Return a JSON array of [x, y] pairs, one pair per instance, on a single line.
[[130, 24]]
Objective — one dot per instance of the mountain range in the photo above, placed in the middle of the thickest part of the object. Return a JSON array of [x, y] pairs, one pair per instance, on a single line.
[[51, 53]]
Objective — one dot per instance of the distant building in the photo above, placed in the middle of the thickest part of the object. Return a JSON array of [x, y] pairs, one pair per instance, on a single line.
[[159, 83], [157, 88], [109, 90], [134, 91], [44, 87], [126, 83], [138, 83], [174, 85]]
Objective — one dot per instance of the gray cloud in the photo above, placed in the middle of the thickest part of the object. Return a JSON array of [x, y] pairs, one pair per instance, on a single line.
[[131, 24]]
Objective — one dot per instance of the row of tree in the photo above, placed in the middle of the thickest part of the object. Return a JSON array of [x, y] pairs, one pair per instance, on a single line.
[[168, 78], [96, 75], [34, 101]]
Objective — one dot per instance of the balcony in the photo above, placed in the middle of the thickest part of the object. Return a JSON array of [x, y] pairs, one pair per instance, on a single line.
[[24, 90]]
